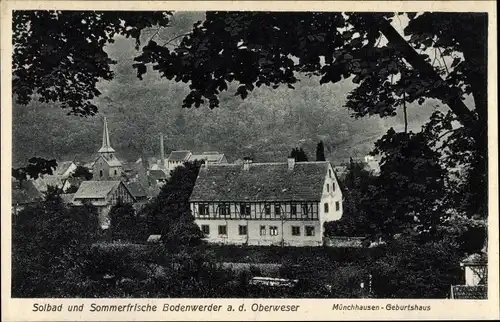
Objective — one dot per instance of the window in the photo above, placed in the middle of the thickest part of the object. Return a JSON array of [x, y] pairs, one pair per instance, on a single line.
[[330, 173], [267, 210], [293, 211], [273, 231], [242, 230], [100, 173], [326, 207], [277, 210], [223, 230], [224, 210], [327, 187], [245, 210], [111, 155], [295, 231], [309, 231], [337, 205], [262, 230], [333, 186], [203, 210], [205, 229], [305, 211], [116, 173]]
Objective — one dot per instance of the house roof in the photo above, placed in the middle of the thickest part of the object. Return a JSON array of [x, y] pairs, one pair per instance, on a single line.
[[62, 167], [179, 155], [74, 181], [136, 189], [465, 292], [157, 174], [26, 193], [95, 189], [208, 156], [261, 182], [43, 182], [67, 197], [475, 259]]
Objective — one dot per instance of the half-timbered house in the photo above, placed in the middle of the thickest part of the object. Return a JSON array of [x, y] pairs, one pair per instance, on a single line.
[[266, 203], [103, 195]]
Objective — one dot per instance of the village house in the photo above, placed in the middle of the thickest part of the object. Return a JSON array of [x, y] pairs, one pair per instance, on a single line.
[[177, 158], [24, 193], [208, 157], [266, 203], [103, 195], [65, 169], [475, 269], [157, 178], [58, 179], [138, 191]]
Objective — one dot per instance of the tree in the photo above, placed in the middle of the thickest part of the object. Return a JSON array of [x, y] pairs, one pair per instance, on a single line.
[[36, 166], [82, 172], [407, 195], [123, 221], [169, 213], [268, 48], [412, 269], [71, 189], [389, 75], [49, 243], [59, 56], [299, 155], [320, 152]]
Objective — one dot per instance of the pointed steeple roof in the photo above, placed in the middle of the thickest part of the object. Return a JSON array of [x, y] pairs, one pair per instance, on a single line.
[[106, 145]]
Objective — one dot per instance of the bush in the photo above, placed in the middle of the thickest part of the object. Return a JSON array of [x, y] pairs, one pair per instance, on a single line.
[[413, 269]]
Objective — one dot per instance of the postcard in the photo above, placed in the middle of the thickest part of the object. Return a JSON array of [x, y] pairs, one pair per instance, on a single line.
[[248, 160]]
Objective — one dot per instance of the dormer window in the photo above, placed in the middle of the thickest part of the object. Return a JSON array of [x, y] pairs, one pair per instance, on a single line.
[[330, 172]]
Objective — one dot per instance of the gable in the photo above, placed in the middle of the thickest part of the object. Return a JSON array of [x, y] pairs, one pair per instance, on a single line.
[[122, 191]]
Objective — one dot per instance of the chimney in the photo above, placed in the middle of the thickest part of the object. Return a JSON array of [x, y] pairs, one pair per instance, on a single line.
[[162, 150], [291, 163], [246, 164]]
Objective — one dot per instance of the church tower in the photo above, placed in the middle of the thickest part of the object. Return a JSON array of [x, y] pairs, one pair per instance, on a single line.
[[107, 167]]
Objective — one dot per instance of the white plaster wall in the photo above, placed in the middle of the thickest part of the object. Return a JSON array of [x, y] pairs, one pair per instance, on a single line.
[[330, 197], [254, 237]]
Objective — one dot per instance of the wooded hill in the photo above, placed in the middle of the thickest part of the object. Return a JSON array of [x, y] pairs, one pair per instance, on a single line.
[[265, 126]]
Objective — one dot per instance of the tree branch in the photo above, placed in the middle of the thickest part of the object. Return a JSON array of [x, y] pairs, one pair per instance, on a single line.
[[176, 37], [465, 116]]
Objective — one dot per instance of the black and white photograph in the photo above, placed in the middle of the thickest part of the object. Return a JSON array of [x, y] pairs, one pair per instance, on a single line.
[[249, 154]]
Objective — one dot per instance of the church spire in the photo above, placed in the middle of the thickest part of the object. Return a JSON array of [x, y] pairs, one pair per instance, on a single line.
[[106, 145]]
